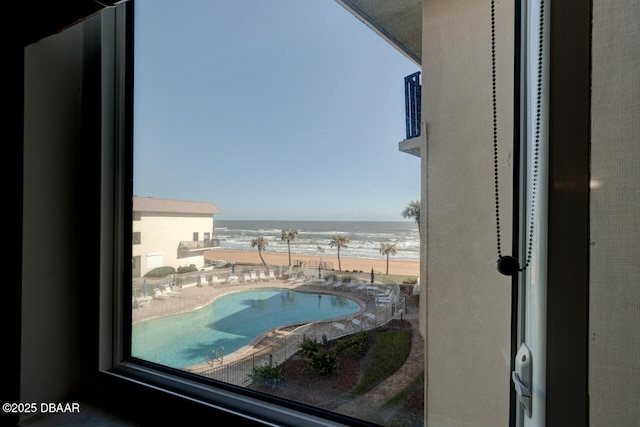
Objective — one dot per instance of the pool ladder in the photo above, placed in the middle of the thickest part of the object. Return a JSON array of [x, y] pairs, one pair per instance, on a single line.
[[213, 355]]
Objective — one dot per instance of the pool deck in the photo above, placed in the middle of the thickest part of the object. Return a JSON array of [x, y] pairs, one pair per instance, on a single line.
[[193, 297]]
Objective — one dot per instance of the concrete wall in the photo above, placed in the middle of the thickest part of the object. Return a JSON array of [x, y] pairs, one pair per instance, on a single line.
[[467, 300]]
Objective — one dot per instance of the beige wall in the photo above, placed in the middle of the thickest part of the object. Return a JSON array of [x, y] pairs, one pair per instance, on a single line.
[[162, 233], [467, 300], [614, 301]]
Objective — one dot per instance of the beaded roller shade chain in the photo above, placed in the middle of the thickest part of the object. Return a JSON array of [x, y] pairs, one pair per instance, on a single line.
[[507, 264]]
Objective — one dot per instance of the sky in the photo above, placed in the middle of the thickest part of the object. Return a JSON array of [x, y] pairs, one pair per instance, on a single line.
[[277, 110]]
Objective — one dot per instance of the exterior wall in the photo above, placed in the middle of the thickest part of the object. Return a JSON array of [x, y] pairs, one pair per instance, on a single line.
[[162, 233], [467, 301], [424, 215], [614, 275]]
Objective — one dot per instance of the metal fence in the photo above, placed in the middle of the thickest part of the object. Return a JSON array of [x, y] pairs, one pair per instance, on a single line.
[[288, 342]]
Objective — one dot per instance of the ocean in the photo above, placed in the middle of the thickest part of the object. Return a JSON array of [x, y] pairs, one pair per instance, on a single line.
[[314, 237]]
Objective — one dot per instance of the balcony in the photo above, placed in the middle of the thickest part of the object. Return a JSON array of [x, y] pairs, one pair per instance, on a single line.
[[199, 245], [412, 97], [412, 100]]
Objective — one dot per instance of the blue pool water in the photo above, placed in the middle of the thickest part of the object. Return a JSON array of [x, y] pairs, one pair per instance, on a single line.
[[232, 321]]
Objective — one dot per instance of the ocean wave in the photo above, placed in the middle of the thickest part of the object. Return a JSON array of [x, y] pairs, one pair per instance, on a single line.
[[364, 237]]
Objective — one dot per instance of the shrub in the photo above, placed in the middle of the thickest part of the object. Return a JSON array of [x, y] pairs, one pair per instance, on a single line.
[[160, 272], [410, 281], [320, 360], [187, 269], [355, 345], [309, 347], [323, 362], [266, 376]]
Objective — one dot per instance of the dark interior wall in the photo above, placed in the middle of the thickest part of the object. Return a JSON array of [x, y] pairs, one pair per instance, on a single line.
[[24, 23], [11, 131], [60, 212]]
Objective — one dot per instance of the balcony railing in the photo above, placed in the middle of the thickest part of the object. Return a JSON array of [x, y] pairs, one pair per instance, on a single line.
[[200, 244], [412, 96]]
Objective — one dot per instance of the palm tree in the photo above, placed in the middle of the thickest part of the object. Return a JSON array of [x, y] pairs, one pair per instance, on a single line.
[[413, 211], [260, 243], [289, 236], [388, 249], [339, 242]]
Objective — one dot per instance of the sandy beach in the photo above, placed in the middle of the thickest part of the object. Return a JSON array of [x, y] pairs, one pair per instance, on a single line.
[[379, 265]]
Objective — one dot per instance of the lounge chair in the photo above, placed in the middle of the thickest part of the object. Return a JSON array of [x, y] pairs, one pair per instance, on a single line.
[[383, 295], [329, 281], [386, 294], [246, 278], [158, 294], [382, 303], [143, 302], [385, 299], [254, 277], [262, 276], [339, 326], [337, 284], [355, 323], [168, 291], [352, 283], [272, 276], [370, 317]]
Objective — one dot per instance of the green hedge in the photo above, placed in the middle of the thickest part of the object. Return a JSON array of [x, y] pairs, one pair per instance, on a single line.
[[160, 272]]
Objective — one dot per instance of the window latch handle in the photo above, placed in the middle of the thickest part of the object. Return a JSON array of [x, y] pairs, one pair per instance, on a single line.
[[521, 378]]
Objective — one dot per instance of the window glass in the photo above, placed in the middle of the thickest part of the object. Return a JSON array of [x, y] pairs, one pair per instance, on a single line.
[[273, 128]]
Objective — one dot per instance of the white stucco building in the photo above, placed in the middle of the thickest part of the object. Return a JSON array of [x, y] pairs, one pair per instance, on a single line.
[[170, 232], [568, 83]]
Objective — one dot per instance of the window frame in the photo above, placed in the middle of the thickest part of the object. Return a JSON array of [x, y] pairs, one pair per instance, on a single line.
[[552, 297], [568, 220]]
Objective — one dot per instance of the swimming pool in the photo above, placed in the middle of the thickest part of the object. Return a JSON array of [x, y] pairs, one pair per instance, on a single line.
[[231, 321]]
